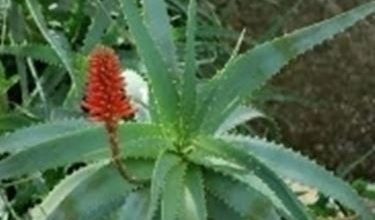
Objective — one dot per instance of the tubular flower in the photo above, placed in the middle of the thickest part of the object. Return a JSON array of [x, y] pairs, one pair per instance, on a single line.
[[106, 100]]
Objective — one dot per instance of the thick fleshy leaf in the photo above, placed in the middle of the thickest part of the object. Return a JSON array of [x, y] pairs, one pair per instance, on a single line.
[[27, 137], [140, 168], [76, 144], [249, 203], [164, 164], [173, 193], [195, 200], [251, 70], [218, 210], [38, 52], [296, 167], [238, 172], [135, 206], [189, 81], [158, 23], [99, 23], [164, 94], [12, 121], [90, 193], [240, 115], [257, 171]]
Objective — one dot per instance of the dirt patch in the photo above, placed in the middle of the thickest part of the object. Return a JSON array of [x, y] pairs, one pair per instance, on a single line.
[[340, 75]]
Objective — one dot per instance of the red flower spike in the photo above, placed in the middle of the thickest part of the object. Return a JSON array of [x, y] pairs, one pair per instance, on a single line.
[[106, 100]]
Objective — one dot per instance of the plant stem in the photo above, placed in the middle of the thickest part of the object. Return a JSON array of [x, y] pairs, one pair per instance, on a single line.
[[116, 155], [38, 85], [4, 28], [21, 70], [9, 206]]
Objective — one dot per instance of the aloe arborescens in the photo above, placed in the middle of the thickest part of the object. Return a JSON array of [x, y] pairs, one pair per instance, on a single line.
[[196, 167]]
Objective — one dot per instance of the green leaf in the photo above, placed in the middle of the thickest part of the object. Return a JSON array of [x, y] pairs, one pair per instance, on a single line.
[[136, 140], [249, 203], [12, 121], [53, 39], [298, 168], [89, 193], [218, 210], [158, 23], [140, 167], [135, 206], [164, 164], [251, 70], [164, 94], [17, 24], [240, 115], [255, 172], [173, 193], [99, 23], [237, 172], [28, 137], [38, 52], [189, 83], [195, 201]]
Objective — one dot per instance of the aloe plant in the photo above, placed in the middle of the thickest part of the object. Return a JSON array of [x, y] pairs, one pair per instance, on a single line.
[[193, 166]]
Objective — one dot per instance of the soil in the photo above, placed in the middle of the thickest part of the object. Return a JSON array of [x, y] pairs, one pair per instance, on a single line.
[[339, 75]]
